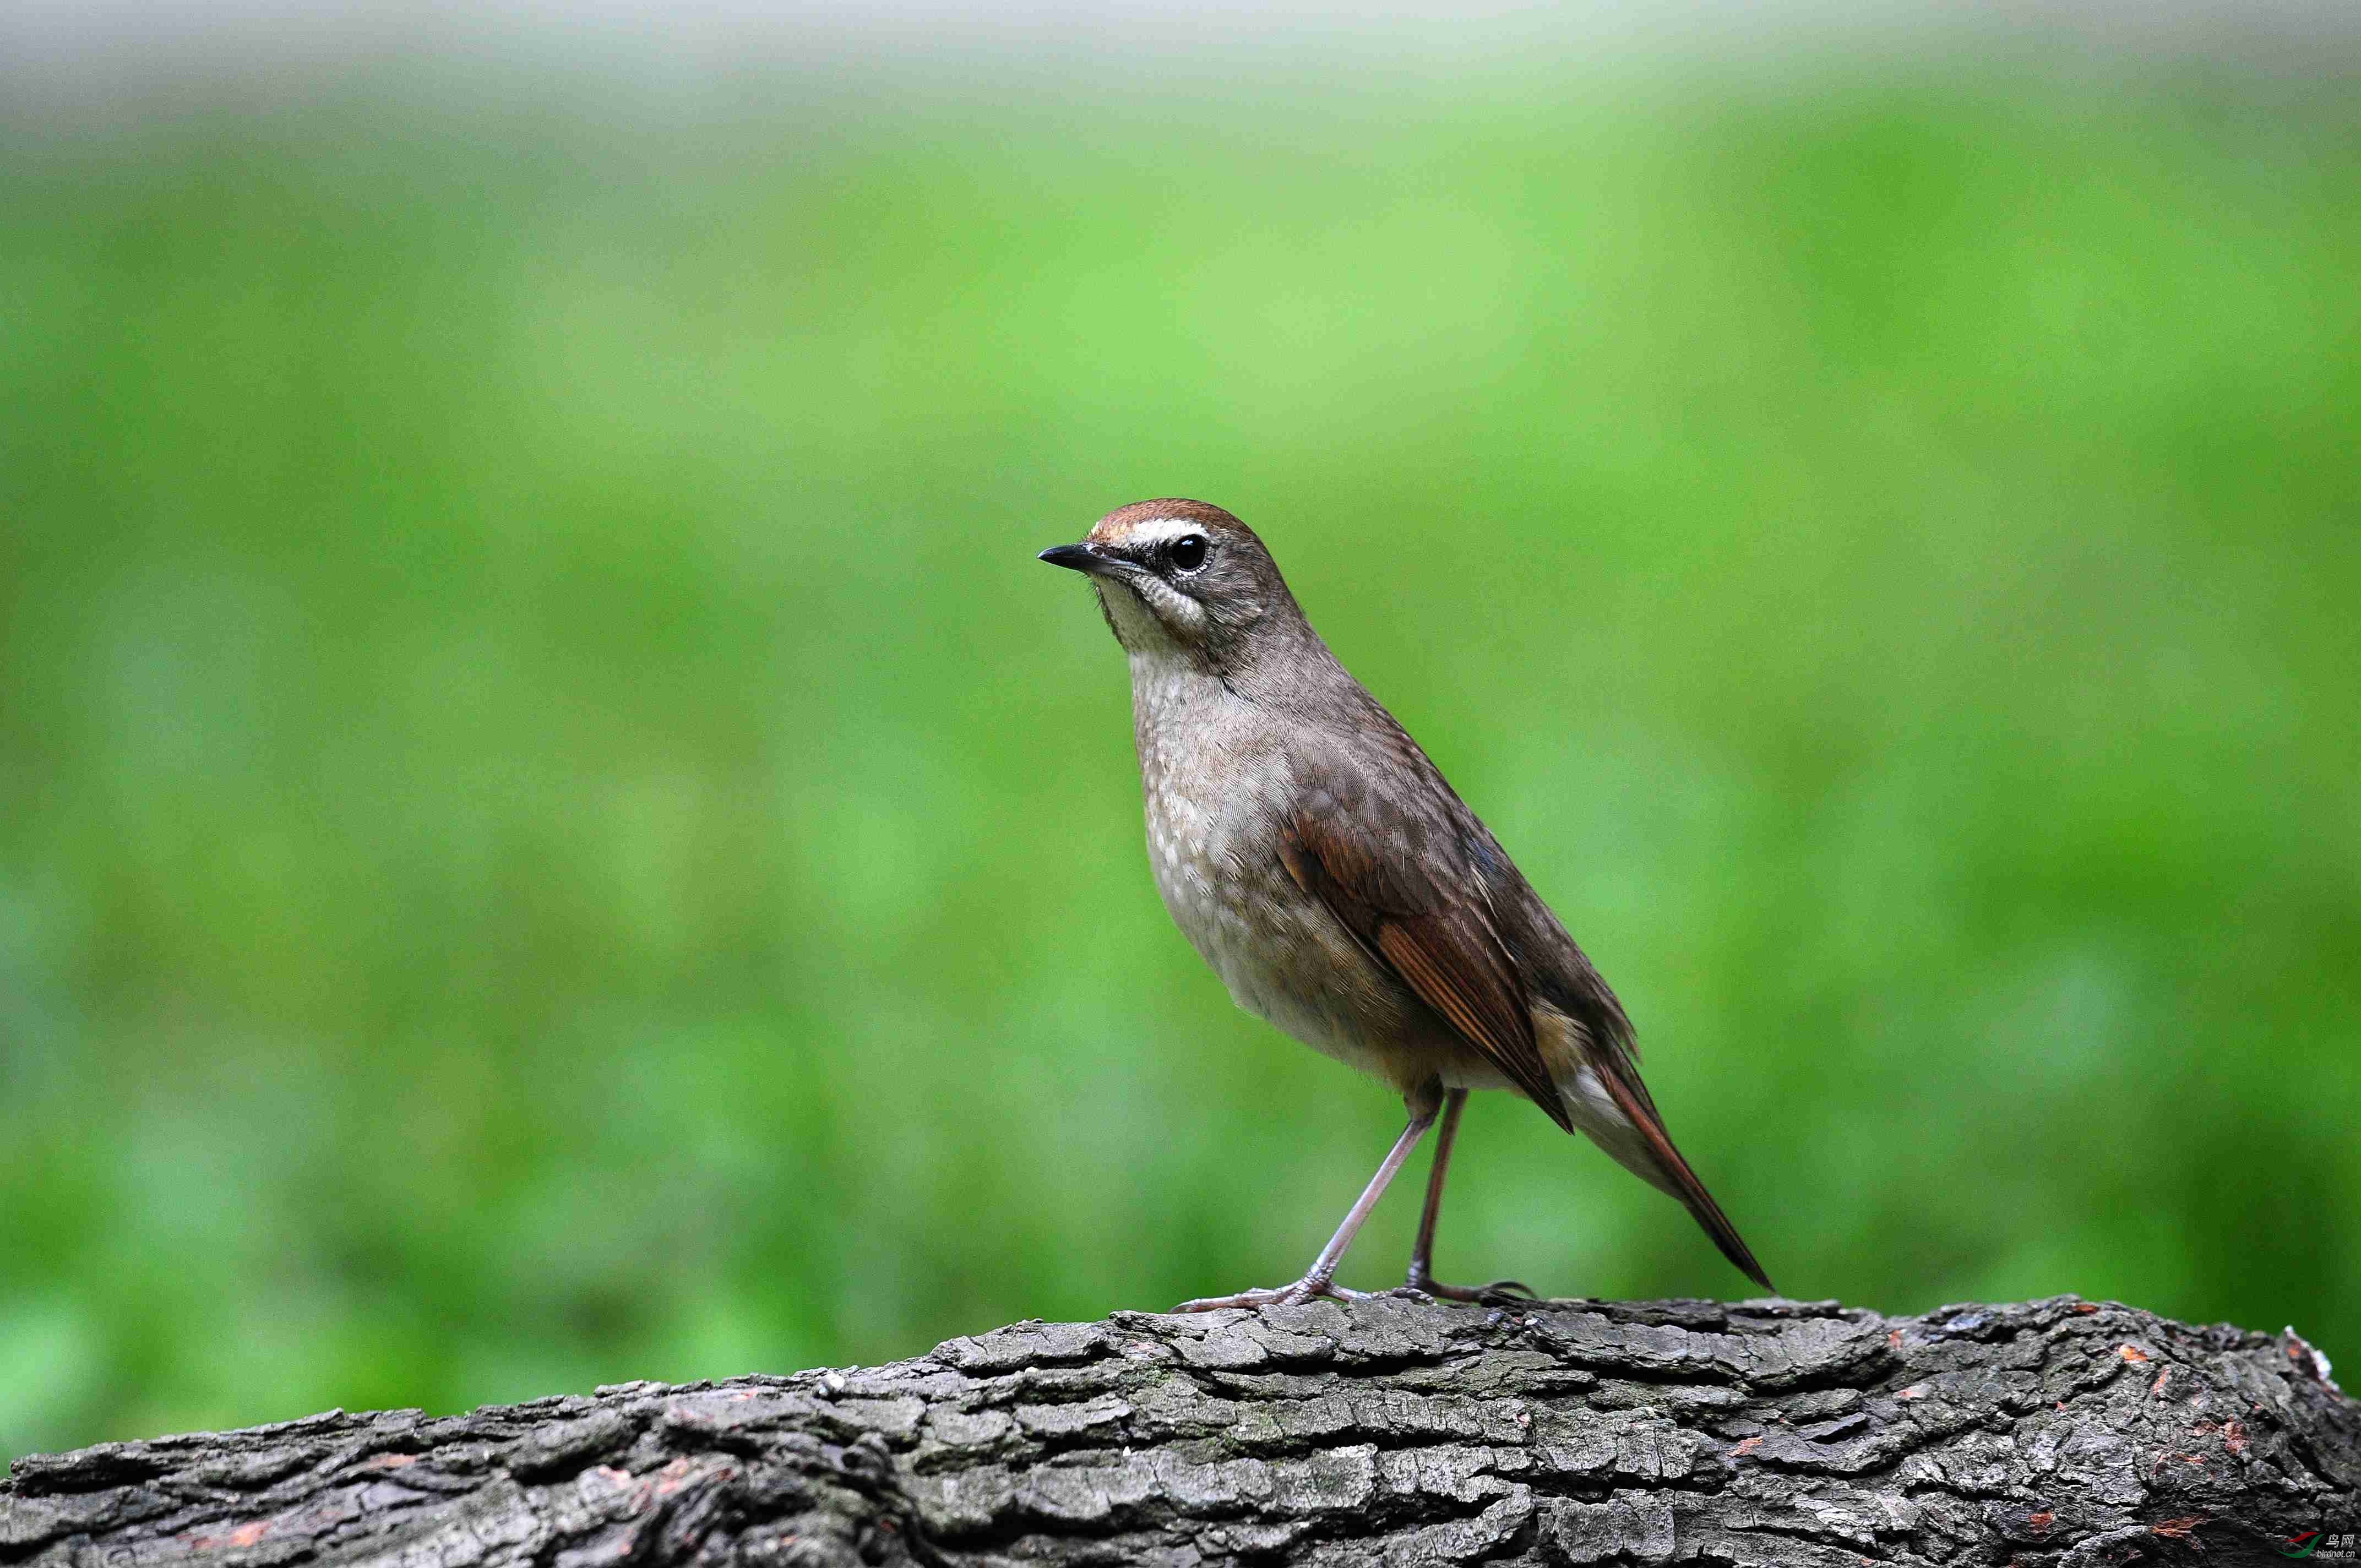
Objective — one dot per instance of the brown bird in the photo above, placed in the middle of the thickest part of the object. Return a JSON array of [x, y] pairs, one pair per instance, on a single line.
[[1318, 862]]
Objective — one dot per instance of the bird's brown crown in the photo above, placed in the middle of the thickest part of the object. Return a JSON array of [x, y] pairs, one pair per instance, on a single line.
[[1126, 523]]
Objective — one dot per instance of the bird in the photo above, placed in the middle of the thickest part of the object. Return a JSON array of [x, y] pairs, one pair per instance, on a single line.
[[1320, 865]]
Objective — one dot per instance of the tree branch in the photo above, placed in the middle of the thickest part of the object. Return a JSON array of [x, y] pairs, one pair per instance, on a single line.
[[2058, 1434]]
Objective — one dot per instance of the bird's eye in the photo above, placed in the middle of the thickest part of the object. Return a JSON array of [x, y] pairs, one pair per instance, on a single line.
[[1189, 552]]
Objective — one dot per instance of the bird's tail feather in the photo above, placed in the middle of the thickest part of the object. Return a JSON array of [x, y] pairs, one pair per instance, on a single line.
[[1664, 1166]]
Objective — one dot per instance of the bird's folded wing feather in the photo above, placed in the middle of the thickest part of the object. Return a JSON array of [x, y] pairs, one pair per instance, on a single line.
[[1442, 945]]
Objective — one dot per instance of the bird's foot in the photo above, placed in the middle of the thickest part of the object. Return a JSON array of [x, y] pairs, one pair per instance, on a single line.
[[1498, 1293], [1295, 1295]]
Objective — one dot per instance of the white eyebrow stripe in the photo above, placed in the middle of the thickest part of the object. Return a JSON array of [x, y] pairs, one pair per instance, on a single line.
[[1161, 529]]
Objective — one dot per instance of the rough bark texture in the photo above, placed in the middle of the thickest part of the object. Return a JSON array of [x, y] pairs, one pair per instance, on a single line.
[[2058, 1433]]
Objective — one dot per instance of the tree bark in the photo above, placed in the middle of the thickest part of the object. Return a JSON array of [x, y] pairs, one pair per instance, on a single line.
[[2063, 1433]]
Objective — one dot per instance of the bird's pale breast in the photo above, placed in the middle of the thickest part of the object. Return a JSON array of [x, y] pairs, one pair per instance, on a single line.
[[1215, 809]]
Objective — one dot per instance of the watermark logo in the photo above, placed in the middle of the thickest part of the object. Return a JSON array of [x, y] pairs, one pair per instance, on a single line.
[[2324, 1546]]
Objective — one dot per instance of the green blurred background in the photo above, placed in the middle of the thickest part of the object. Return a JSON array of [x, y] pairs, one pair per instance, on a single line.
[[552, 830]]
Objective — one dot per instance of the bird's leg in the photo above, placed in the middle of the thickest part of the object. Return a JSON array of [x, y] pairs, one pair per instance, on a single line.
[[1422, 1280], [1319, 1279]]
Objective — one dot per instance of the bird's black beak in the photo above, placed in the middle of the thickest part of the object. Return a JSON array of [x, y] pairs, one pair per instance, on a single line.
[[1079, 558]]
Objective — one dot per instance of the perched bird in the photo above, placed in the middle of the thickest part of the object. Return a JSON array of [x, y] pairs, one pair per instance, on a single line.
[[1318, 862]]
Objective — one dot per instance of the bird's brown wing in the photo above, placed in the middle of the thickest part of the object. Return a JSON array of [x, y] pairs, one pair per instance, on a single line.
[[1443, 947]]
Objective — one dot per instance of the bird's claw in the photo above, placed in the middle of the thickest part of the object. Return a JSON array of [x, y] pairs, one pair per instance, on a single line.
[[1418, 1288], [1498, 1293], [1295, 1295]]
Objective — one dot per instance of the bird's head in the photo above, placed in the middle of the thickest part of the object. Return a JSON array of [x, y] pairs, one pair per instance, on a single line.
[[1181, 577]]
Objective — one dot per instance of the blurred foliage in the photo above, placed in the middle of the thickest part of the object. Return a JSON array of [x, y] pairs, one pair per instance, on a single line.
[[552, 831]]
